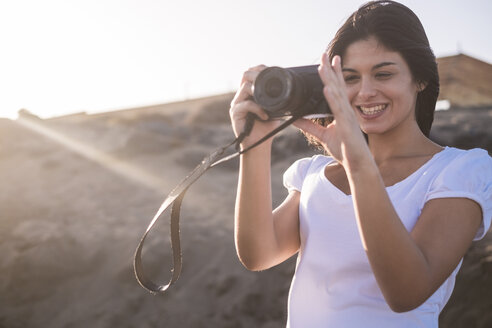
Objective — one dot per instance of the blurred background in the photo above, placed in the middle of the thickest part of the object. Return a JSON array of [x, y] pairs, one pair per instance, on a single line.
[[62, 57], [107, 105]]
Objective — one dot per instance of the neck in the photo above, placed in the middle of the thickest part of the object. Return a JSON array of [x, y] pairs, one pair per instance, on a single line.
[[402, 142]]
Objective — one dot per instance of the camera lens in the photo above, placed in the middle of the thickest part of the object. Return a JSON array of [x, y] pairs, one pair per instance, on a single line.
[[273, 90], [274, 87], [290, 91]]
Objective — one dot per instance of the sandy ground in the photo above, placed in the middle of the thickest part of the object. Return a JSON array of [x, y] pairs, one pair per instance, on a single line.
[[77, 193]]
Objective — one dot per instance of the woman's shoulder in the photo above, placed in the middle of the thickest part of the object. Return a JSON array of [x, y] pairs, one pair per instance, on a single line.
[[294, 176], [459, 169], [313, 162], [472, 153], [462, 158], [465, 174]]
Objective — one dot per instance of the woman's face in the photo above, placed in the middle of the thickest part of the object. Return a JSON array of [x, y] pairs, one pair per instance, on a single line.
[[380, 87]]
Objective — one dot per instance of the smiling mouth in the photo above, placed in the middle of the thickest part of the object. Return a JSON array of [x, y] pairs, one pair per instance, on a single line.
[[372, 110]]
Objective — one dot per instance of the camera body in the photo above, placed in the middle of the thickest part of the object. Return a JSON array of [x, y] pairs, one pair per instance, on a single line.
[[292, 91]]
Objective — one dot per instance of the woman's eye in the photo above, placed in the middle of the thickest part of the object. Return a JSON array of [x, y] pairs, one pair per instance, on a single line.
[[384, 75], [350, 78]]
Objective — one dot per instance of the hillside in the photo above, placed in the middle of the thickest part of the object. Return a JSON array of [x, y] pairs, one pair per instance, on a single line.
[[78, 192]]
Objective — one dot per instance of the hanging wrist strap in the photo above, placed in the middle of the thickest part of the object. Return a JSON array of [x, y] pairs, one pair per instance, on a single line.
[[176, 196]]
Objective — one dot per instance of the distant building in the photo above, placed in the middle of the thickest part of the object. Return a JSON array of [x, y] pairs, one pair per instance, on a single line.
[[465, 81]]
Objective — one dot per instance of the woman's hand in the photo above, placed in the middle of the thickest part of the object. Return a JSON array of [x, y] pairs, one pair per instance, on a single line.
[[242, 104], [342, 139]]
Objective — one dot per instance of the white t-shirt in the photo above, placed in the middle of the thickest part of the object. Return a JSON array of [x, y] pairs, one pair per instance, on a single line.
[[333, 285]]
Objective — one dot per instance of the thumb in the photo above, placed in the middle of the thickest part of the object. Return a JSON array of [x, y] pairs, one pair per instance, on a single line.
[[309, 127]]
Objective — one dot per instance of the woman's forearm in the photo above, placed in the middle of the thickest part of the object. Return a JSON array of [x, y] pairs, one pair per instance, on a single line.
[[254, 229], [399, 266]]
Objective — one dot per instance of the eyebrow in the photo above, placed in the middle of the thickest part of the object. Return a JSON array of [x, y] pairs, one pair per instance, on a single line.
[[383, 64], [346, 69]]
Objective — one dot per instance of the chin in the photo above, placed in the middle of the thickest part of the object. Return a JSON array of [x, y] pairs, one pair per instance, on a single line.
[[373, 129]]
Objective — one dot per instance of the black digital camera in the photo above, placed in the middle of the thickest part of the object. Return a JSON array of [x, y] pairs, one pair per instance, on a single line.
[[293, 91]]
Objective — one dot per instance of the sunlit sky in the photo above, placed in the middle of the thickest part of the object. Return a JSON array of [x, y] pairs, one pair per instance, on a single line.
[[64, 56]]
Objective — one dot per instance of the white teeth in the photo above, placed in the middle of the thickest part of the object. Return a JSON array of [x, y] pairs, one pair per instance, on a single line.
[[372, 110]]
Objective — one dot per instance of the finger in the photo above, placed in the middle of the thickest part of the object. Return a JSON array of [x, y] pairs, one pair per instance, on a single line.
[[309, 127], [334, 88], [258, 68], [247, 81], [325, 70], [336, 65], [241, 109], [331, 73], [245, 91], [251, 74], [339, 104]]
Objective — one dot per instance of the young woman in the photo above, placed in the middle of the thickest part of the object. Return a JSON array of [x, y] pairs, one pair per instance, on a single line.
[[380, 224]]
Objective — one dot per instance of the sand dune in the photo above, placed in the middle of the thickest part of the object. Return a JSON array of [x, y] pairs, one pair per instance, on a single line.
[[71, 217]]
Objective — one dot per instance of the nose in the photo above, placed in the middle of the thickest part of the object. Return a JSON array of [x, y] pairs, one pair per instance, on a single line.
[[367, 89]]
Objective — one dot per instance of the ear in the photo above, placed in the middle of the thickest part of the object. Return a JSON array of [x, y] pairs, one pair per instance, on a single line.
[[421, 86]]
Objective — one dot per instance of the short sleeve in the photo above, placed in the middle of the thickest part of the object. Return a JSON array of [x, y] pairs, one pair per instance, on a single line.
[[467, 176], [295, 174]]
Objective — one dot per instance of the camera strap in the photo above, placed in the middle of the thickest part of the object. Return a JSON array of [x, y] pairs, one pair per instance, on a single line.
[[175, 199]]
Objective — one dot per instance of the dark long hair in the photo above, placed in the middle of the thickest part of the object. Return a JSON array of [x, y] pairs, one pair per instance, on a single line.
[[398, 29]]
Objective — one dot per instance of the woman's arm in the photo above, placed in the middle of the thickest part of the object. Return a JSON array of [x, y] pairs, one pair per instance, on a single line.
[[263, 237], [410, 267]]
